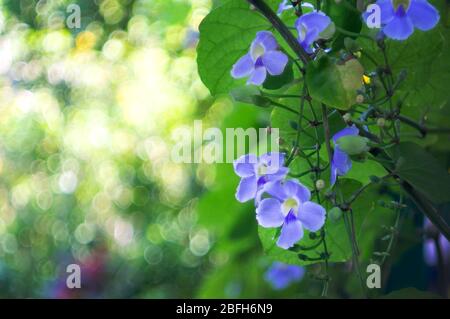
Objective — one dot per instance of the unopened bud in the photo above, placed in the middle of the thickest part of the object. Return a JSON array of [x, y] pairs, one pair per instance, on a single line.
[[320, 184], [334, 214], [359, 98], [353, 144], [347, 117], [381, 122]]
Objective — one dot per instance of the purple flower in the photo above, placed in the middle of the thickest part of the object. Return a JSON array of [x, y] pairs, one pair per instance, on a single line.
[[255, 172], [290, 208], [264, 56], [341, 162], [281, 275], [310, 27], [400, 17], [429, 246], [284, 5]]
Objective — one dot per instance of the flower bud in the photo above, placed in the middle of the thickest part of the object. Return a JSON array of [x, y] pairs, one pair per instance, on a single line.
[[381, 122], [334, 214], [320, 184], [353, 144], [359, 98], [347, 117]]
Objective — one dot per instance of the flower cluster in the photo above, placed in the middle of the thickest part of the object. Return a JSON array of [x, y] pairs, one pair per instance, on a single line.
[[265, 55], [398, 20], [288, 202]]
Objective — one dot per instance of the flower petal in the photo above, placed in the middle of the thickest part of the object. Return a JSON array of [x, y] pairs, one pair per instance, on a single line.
[[278, 175], [399, 28], [243, 67], [341, 161], [350, 130], [313, 20], [423, 15], [340, 164], [268, 213], [244, 166], [386, 11], [284, 6], [246, 189], [276, 190], [312, 216], [291, 232], [333, 174], [266, 39], [282, 275], [258, 76], [273, 160], [294, 188], [275, 62]]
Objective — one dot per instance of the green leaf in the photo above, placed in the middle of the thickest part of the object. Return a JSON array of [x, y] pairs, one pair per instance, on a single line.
[[334, 84], [225, 35], [345, 16], [274, 82], [422, 171], [362, 171], [250, 94]]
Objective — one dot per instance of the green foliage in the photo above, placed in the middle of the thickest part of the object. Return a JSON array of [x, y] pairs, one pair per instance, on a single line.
[[250, 94], [278, 81], [345, 16], [334, 84], [423, 171]]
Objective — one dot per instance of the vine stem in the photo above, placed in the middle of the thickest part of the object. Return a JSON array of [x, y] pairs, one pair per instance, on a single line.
[[352, 238], [353, 34], [281, 28], [396, 226], [300, 117], [424, 130], [326, 130]]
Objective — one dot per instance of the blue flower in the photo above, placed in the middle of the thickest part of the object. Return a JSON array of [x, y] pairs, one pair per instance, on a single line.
[[264, 56], [291, 208], [341, 162], [284, 5], [311, 27], [429, 246], [255, 172], [281, 275], [400, 17]]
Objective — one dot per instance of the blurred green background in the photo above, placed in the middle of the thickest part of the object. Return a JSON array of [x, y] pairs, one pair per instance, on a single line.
[[86, 117]]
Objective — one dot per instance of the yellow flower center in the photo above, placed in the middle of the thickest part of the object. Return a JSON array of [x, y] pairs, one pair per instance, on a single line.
[[290, 204], [404, 3], [258, 50], [262, 169]]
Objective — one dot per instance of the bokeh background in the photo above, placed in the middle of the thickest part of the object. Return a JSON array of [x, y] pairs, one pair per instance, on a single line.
[[86, 122]]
